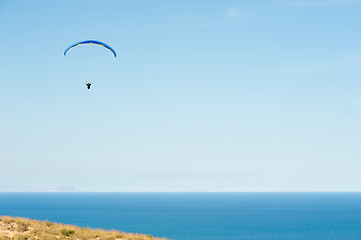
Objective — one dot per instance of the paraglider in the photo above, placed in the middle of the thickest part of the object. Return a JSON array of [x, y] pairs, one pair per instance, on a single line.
[[90, 42], [88, 84]]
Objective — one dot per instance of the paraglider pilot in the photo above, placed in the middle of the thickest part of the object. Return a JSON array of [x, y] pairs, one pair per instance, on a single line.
[[88, 84]]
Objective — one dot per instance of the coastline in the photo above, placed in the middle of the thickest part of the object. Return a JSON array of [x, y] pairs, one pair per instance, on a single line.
[[17, 228]]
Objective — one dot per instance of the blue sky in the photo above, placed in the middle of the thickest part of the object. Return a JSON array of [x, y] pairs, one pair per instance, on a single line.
[[203, 96]]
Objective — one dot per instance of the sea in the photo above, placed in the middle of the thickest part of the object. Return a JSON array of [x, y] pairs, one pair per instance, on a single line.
[[199, 216]]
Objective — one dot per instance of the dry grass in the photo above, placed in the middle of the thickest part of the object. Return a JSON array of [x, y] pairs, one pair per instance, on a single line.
[[12, 228]]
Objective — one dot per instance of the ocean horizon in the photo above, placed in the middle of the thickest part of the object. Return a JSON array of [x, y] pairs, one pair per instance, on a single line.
[[212, 216]]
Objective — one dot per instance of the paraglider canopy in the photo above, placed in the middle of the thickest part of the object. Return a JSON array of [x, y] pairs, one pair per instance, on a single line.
[[90, 42]]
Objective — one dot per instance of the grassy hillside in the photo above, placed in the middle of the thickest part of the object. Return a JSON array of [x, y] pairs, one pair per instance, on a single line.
[[26, 229]]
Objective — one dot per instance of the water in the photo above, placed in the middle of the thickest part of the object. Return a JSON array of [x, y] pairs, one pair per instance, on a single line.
[[199, 216]]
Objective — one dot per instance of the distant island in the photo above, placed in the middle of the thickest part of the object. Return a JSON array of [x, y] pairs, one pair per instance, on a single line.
[[4, 188], [14, 228]]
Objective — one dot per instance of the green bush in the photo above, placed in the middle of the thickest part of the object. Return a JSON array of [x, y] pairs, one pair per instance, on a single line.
[[67, 232], [119, 235]]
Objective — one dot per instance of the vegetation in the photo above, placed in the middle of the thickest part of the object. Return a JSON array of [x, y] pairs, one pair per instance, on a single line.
[[25, 229], [67, 232]]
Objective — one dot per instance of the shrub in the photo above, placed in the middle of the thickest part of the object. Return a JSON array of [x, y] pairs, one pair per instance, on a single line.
[[22, 227], [119, 235], [67, 232]]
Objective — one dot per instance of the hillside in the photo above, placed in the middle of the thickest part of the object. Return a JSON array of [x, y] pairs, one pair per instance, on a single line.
[[26, 229]]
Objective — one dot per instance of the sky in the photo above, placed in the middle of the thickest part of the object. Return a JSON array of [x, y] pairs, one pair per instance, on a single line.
[[203, 96]]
